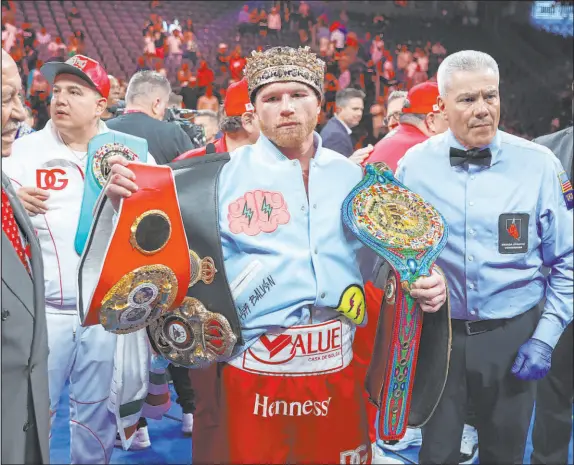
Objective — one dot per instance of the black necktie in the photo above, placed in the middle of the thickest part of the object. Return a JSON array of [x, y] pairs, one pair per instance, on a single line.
[[473, 156]]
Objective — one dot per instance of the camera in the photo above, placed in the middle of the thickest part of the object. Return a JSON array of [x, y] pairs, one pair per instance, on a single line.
[[194, 131]]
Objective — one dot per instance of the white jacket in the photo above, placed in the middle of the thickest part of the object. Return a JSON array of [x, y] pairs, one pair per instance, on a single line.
[[41, 159]]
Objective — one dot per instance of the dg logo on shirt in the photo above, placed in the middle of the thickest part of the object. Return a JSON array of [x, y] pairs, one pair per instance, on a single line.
[[53, 175], [51, 179]]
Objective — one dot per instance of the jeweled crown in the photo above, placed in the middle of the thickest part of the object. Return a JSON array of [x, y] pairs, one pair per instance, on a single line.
[[283, 64]]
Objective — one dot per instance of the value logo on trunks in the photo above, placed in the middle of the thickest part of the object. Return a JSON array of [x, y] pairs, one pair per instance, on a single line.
[[301, 350], [285, 347], [265, 407]]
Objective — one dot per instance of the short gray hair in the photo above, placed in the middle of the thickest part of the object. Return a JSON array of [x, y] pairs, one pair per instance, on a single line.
[[466, 60], [397, 94], [145, 83], [343, 96]]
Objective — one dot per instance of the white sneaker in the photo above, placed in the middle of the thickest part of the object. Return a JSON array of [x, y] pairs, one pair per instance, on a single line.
[[141, 439], [379, 457], [468, 445], [412, 438], [187, 424]]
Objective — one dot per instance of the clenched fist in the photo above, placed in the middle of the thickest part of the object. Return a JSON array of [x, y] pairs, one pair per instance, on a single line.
[[430, 292]]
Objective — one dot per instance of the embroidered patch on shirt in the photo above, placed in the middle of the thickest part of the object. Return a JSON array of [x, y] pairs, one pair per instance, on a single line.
[[352, 304], [566, 190], [257, 212], [513, 233]]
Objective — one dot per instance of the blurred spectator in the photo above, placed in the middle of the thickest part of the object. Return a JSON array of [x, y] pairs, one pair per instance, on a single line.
[[210, 122], [205, 75], [236, 65], [254, 21], [113, 99], [263, 23], [190, 93], [57, 49], [184, 75], [190, 51], [149, 44], [337, 36], [323, 35], [188, 26], [208, 101], [243, 21], [73, 14], [44, 37], [159, 42], [175, 52], [274, 22], [29, 35], [395, 105]]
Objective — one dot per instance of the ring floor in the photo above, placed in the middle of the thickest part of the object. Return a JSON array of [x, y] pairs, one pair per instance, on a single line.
[[170, 446]]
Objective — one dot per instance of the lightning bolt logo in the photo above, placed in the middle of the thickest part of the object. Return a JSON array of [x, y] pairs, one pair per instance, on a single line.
[[248, 213], [352, 303], [266, 208]]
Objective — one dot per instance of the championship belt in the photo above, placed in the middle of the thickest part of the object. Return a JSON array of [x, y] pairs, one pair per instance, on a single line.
[[143, 270], [409, 234], [205, 328], [191, 336], [197, 181], [100, 149]]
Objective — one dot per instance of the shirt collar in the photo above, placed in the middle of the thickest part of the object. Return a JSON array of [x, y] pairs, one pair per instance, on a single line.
[[268, 149], [344, 125], [494, 145]]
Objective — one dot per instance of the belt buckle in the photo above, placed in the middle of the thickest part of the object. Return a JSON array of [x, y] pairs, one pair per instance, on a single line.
[[469, 331]]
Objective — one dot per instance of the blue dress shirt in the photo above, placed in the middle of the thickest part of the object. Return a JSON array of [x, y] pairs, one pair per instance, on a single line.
[[492, 275]]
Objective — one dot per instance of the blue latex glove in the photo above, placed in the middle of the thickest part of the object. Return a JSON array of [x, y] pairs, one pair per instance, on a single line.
[[533, 360]]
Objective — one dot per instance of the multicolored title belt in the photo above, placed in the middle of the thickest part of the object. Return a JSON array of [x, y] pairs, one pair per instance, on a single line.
[[410, 234], [136, 266], [100, 149]]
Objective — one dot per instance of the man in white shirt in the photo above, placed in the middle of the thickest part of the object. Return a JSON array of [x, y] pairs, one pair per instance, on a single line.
[[175, 52]]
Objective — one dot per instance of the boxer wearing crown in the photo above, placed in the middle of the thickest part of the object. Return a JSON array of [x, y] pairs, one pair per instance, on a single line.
[[288, 393]]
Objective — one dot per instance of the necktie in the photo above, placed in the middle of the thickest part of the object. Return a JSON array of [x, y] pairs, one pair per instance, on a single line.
[[473, 156], [10, 228]]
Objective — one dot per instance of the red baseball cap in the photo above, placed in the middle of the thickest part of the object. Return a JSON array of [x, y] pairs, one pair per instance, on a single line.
[[237, 99], [83, 67], [422, 98]]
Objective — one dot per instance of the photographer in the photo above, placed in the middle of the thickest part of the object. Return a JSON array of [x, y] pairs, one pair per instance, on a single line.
[[146, 102]]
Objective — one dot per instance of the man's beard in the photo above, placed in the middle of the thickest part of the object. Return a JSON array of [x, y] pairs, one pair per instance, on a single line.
[[289, 137]]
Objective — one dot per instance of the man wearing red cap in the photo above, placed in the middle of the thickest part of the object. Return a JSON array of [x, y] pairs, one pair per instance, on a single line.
[[48, 169], [420, 119], [238, 124]]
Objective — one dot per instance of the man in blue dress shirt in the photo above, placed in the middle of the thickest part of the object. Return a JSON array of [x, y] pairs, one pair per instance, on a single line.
[[508, 204]]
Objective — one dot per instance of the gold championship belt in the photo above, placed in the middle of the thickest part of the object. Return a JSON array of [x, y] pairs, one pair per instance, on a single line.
[[409, 234], [144, 272]]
